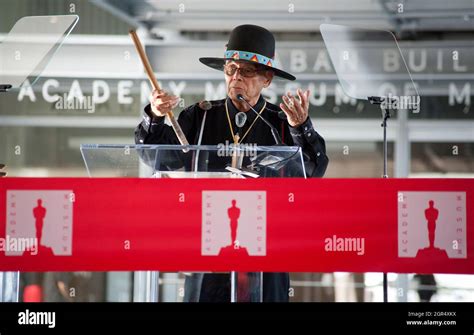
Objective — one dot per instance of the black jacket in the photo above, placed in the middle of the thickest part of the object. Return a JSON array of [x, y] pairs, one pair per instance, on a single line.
[[153, 130]]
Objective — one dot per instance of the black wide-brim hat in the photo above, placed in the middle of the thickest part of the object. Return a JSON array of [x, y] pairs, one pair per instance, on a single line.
[[252, 44]]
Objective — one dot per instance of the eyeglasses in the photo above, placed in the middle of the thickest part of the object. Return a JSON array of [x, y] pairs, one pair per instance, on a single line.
[[247, 72]]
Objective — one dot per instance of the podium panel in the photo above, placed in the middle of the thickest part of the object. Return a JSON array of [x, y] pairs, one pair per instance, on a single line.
[[176, 161]]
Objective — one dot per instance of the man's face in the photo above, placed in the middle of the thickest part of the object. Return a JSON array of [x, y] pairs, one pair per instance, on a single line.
[[247, 79]]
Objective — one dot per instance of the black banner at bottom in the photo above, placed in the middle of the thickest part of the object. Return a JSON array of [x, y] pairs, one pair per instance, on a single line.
[[56, 318]]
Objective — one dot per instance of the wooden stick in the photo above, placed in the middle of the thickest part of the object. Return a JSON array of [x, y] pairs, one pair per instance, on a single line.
[[154, 83]]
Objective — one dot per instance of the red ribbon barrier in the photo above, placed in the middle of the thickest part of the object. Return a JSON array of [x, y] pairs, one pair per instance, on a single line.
[[294, 225]]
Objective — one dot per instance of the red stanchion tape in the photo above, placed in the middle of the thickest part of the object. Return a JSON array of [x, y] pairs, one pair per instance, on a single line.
[[296, 225]]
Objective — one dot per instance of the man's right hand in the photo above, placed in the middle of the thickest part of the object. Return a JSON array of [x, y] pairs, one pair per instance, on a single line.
[[162, 103]]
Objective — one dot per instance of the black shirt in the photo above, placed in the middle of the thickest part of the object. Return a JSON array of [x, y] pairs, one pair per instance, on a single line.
[[153, 130]]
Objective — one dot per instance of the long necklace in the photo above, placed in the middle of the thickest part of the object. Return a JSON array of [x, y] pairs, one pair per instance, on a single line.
[[235, 137]]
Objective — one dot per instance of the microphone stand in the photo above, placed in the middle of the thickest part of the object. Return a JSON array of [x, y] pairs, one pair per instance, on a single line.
[[385, 116], [196, 157], [205, 106]]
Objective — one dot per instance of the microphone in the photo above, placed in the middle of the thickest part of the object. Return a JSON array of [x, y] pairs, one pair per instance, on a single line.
[[2, 174], [205, 106], [275, 134]]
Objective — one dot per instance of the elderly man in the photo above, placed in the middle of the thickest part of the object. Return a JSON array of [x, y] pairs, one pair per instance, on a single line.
[[248, 66]]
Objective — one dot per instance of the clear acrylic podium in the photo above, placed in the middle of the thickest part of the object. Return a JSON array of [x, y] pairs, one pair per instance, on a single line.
[[176, 161]]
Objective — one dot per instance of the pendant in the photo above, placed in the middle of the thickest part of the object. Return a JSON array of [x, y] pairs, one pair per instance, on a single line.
[[240, 119]]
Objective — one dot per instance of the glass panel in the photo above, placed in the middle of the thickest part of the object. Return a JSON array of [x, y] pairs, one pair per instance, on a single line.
[[355, 65], [174, 161], [29, 46]]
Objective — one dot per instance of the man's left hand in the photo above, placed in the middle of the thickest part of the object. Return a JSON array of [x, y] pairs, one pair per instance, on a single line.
[[296, 109]]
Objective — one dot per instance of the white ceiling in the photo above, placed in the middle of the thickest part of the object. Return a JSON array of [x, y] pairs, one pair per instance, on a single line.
[[298, 15]]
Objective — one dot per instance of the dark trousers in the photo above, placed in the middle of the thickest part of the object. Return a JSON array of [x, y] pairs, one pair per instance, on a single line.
[[216, 287]]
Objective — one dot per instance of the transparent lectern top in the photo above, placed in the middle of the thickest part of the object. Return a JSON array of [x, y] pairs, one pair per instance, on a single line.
[[192, 161], [359, 63], [30, 45]]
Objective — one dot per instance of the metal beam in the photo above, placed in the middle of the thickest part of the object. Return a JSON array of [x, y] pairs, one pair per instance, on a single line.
[[117, 12]]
